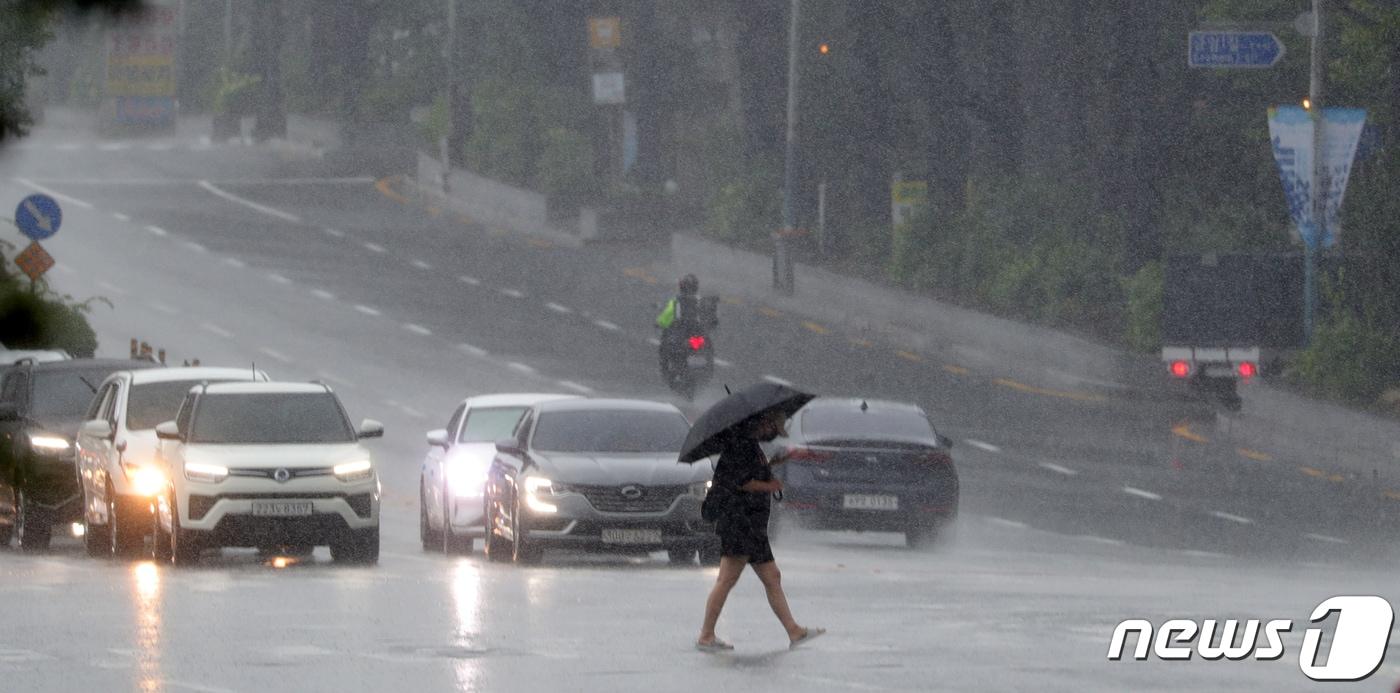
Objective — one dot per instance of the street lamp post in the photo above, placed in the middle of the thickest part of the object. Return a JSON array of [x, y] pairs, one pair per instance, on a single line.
[[1316, 76], [782, 254]]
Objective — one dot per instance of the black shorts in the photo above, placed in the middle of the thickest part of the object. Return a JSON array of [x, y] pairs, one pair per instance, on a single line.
[[741, 535]]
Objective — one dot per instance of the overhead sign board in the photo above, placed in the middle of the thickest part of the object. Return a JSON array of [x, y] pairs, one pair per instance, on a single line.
[[1233, 49], [609, 88], [38, 217]]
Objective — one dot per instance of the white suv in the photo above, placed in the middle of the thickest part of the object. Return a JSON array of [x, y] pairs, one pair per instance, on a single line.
[[267, 465], [117, 450]]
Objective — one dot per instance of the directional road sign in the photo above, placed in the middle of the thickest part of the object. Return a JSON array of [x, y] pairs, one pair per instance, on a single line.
[[1234, 49], [38, 217]]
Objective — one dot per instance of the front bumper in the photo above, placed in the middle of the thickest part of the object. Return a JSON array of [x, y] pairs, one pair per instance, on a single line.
[[579, 525], [224, 511], [52, 483]]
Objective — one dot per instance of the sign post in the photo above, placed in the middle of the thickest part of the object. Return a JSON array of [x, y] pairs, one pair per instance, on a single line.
[[38, 217]]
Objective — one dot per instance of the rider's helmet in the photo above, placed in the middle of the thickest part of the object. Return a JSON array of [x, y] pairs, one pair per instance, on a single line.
[[689, 285]]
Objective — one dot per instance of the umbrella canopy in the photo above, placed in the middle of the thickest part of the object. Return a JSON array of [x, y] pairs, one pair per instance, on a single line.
[[713, 430]]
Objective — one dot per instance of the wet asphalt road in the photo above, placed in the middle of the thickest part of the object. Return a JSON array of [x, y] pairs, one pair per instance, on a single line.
[[1078, 511]]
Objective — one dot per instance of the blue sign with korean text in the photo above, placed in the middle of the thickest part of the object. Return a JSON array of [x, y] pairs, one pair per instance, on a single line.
[[1234, 49]]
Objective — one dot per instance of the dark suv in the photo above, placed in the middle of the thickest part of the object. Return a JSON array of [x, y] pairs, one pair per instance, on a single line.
[[41, 406]]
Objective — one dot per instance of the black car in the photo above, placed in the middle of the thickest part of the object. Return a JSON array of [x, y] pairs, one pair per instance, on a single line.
[[41, 406], [867, 465]]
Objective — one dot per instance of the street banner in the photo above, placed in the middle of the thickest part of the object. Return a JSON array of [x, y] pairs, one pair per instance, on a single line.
[[140, 75], [1291, 133], [1341, 133]]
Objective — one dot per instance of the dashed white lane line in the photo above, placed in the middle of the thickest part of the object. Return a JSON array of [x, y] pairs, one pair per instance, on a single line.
[[417, 329], [366, 309], [571, 385], [1141, 493], [1006, 523], [275, 354], [278, 279], [982, 446], [53, 193], [284, 216], [513, 293], [1058, 469], [113, 146], [558, 308], [469, 280], [374, 247], [333, 233], [235, 262], [111, 288], [196, 247], [607, 325], [158, 231], [1203, 554], [777, 381], [718, 362], [323, 294], [520, 367], [120, 217], [1231, 517], [161, 307], [211, 327], [656, 342], [1325, 538], [473, 350], [1101, 540], [421, 265]]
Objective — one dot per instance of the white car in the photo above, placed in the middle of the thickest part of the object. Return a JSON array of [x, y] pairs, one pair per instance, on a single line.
[[267, 465], [117, 450], [453, 473]]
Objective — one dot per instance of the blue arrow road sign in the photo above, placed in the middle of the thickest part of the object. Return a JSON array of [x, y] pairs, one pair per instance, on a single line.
[[1240, 49], [38, 217]]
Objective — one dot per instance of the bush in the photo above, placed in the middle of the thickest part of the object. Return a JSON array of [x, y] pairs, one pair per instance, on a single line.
[[1142, 328], [565, 167], [31, 320], [1351, 356], [746, 210], [234, 92]]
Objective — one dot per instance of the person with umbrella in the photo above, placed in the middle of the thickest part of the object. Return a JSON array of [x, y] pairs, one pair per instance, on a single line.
[[740, 498]]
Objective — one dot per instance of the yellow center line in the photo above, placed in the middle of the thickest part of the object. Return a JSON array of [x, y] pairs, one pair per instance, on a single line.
[[385, 188], [1255, 455], [540, 243], [1336, 478], [909, 356], [770, 312], [465, 219], [1184, 431], [862, 342], [434, 211], [814, 327], [956, 370], [1393, 495], [1312, 472], [1079, 396]]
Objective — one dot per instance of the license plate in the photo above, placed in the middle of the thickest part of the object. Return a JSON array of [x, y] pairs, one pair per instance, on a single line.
[[282, 508], [697, 361], [862, 501], [631, 536]]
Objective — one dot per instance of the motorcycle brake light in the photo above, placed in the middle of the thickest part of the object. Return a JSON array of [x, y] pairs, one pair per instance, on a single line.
[[697, 342]]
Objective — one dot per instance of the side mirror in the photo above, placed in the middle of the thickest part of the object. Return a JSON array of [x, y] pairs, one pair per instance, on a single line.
[[438, 437], [510, 447], [98, 428], [168, 431], [369, 428], [945, 441], [8, 412]]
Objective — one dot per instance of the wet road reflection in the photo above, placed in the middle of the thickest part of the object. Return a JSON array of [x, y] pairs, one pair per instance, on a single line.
[[146, 582], [466, 597]]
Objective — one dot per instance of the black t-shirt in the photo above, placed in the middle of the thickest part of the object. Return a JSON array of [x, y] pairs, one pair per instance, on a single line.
[[741, 462]]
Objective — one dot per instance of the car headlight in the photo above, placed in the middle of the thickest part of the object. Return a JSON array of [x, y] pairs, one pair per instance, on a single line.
[[700, 488], [145, 480], [49, 444], [208, 473], [465, 478], [535, 486], [353, 471]]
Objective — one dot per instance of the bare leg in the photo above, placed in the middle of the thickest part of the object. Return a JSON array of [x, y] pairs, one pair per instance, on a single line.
[[773, 584], [730, 568]]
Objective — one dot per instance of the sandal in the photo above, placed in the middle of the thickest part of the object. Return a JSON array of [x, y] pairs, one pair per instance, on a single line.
[[715, 645], [809, 634]]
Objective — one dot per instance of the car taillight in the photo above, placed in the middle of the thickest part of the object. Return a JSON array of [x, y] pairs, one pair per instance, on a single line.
[[805, 455], [937, 457], [1248, 369], [697, 342], [1181, 369]]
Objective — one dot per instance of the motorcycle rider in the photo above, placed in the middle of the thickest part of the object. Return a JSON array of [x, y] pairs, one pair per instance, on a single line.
[[679, 320]]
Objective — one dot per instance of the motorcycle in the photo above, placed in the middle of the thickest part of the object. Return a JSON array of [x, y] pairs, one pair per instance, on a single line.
[[687, 352]]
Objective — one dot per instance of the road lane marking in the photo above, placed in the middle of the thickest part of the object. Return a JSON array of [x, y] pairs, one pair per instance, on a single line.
[[53, 193], [434, 211], [465, 219], [520, 367], [1392, 495], [862, 342], [1203, 554], [956, 370], [195, 246], [1184, 431], [656, 342], [417, 329], [235, 262], [777, 381], [275, 354], [513, 293], [1058, 469], [1006, 523], [278, 279], [1325, 538], [120, 217], [211, 327], [385, 188], [1022, 387], [1100, 540], [718, 362], [581, 389], [333, 233], [1231, 517], [322, 293], [113, 146], [606, 325], [539, 243], [270, 211], [111, 288], [374, 247], [982, 446], [770, 312], [558, 308], [157, 230], [815, 328], [421, 265], [1255, 455], [469, 281], [473, 350], [1141, 493], [909, 356], [366, 309], [157, 305]]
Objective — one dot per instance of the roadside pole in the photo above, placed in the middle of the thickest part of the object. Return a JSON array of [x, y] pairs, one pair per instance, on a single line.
[[782, 254], [450, 94], [1316, 77]]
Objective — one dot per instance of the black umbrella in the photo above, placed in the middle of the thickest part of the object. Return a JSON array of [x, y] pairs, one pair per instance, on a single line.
[[713, 430]]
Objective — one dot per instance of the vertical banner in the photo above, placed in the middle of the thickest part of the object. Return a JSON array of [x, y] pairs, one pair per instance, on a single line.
[[1291, 133], [140, 79]]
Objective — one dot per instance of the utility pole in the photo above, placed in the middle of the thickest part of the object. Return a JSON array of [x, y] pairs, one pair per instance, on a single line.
[[1316, 77], [228, 35], [450, 58], [782, 256]]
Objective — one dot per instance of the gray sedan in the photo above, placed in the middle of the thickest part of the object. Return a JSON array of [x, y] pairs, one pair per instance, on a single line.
[[601, 475]]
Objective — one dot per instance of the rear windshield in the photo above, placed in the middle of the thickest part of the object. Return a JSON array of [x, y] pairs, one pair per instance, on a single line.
[[65, 394], [852, 424], [611, 431], [490, 425], [310, 417], [151, 403]]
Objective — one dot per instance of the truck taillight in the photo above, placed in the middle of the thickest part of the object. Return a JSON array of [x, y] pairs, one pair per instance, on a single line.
[[1248, 369], [1181, 369]]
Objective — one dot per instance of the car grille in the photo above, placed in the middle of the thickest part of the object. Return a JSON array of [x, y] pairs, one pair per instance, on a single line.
[[645, 499]]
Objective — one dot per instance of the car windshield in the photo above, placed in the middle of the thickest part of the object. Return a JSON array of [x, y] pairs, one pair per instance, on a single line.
[[611, 431], [490, 425], [64, 393], [270, 418], [151, 403], [833, 423]]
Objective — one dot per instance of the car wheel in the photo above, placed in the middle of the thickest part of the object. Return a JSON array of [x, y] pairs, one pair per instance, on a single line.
[[451, 543], [160, 539], [522, 549], [681, 556], [95, 538], [125, 534], [431, 539], [935, 535], [359, 547], [33, 525], [494, 544], [184, 549]]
